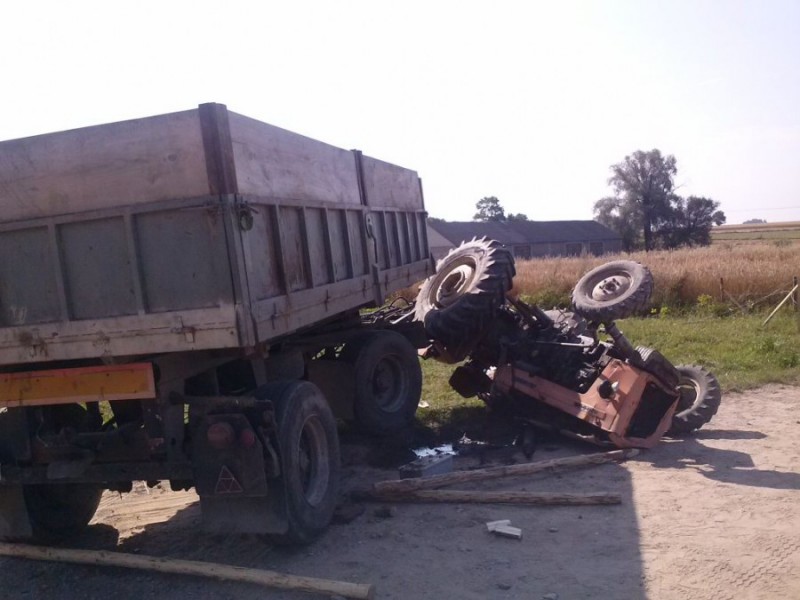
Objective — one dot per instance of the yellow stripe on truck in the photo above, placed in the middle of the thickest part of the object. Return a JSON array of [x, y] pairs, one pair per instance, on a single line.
[[84, 384]]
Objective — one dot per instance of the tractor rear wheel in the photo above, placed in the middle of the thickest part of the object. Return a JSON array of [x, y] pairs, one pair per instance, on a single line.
[[460, 301]]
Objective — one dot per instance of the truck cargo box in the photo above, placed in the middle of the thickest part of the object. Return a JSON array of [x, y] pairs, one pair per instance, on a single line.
[[195, 230]]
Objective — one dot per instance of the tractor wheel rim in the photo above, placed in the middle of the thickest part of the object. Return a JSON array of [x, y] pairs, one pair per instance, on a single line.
[[453, 284], [611, 288], [388, 384], [689, 391]]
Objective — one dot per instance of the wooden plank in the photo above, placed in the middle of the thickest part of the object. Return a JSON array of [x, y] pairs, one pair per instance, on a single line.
[[491, 497], [492, 525], [190, 567], [554, 465], [508, 531]]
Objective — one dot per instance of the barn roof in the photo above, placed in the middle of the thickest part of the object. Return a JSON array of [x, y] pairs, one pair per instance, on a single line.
[[525, 232]]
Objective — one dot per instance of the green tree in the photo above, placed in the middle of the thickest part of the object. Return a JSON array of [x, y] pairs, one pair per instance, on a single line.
[[489, 209], [621, 217], [691, 222], [643, 184]]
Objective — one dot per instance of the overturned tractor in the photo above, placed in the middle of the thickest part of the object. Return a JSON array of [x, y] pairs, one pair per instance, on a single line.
[[573, 370]]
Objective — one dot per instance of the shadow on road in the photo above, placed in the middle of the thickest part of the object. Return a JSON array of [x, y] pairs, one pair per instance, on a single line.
[[723, 465]]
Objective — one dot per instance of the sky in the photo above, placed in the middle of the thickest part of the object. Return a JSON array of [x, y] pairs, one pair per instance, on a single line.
[[528, 101]]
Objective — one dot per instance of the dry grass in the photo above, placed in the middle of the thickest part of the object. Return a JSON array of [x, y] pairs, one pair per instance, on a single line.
[[749, 273]]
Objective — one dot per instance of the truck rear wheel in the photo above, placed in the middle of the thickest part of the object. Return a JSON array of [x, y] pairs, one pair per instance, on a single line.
[[308, 445], [59, 510], [388, 381], [699, 401]]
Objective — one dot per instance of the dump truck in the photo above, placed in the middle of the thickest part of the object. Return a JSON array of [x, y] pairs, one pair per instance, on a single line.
[[181, 300]]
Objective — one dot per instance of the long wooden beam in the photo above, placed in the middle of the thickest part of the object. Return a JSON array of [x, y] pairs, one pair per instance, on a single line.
[[489, 497], [553, 466], [191, 567]]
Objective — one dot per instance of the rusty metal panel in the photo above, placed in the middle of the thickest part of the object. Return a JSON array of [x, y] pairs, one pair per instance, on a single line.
[[398, 245], [182, 331], [358, 242], [294, 248], [285, 314], [262, 253], [184, 260], [390, 186], [316, 231], [28, 291], [95, 257], [421, 228], [340, 245], [280, 165], [127, 163]]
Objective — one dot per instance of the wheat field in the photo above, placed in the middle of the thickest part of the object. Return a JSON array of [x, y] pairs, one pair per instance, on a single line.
[[750, 272]]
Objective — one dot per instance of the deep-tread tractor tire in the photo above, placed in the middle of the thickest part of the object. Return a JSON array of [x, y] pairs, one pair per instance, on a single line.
[[308, 445], [460, 301], [612, 291], [656, 364], [387, 379], [699, 401]]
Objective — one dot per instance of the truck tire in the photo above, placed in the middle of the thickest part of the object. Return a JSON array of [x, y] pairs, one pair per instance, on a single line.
[[613, 291], [460, 301], [387, 379], [308, 445], [699, 401], [60, 510]]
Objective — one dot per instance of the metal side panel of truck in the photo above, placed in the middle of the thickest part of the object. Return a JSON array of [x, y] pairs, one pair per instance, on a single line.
[[195, 230]]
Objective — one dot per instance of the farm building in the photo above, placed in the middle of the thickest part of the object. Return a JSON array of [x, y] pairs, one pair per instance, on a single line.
[[528, 239]]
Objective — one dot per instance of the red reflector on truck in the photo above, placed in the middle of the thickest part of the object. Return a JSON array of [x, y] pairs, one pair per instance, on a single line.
[[221, 435]]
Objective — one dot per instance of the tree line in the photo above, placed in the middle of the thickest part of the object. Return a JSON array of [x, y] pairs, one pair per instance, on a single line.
[[644, 209]]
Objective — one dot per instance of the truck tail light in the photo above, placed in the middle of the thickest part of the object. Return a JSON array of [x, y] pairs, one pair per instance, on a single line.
[[221, 435]]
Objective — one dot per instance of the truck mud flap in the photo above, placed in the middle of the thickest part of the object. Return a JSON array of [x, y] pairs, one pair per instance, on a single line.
[[230, 476], [14, 521], [246, 514]]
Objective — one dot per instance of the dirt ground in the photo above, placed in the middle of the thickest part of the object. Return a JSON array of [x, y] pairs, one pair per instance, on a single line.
[[716, 516]]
